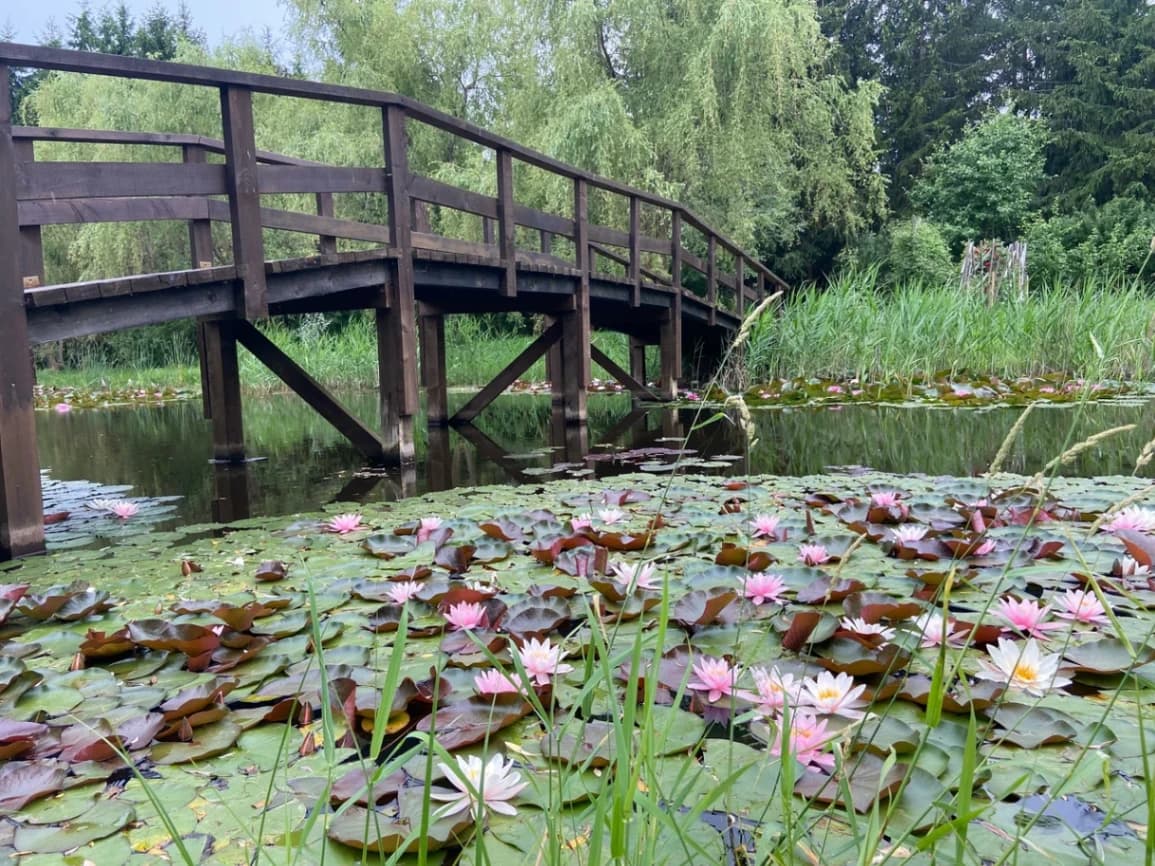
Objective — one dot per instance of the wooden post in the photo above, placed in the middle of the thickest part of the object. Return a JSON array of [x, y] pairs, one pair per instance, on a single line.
[[200, 244], [21, 502], [487, 232], [431, 332], [555, 367], [506, 228], [31, 243], [670, 339], [230, 492], [635, 271], [438, 459], [224, 390], [638, 359], [576, 324], [740, 283], [244, 200], [396, 321], [712, 279], [326, 244], [546, 242], [761, 286]]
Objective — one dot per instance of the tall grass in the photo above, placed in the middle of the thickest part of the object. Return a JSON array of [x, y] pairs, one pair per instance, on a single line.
[[855, 327]]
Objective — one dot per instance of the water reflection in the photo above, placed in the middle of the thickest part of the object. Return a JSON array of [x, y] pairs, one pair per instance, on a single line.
[[164, 450]]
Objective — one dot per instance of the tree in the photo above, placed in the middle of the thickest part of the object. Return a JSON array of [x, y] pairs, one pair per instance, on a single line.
[[985, 185]]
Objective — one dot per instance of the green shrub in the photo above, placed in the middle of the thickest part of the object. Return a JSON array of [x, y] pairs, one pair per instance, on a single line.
[[917, 253]]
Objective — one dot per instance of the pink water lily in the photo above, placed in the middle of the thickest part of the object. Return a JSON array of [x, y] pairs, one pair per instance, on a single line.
[[1026, 617], [867, 629], [907, 534], [404, 590], [1079, 605], [467, 615], [610, 516], [121, 508], [808, 742], [763, 587], [833, 695], [495, 682], [426, 527], [935, 631], [480, 786], [715, 677], [1023, 667], [343, 523], [582, 521], [773, 690], [62, 408], [765, 526], [813, 554], [988, 546], [1130, 567], [634, 576], [886, 499], [1134, 519], [542, 660]]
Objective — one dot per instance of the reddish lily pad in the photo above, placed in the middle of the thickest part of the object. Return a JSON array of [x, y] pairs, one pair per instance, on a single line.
[[828, 590], [866, 778], [21, 782], [464, 723]]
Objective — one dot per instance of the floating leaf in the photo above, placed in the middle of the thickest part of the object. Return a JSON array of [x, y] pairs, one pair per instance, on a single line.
[[594, 745], [865, 776], [271, 570], [471, 721], [698, 608], [21, 782]]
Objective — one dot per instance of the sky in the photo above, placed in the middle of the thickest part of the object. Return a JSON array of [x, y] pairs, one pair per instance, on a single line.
[[217, 18]]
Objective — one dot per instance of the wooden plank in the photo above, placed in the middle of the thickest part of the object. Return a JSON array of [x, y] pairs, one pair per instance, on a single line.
[[310, 390], [21, 505], [319, 178], [576, 325], [513, 370], [310, 224], [220, 359], [740, 284], [628, 382], [64, 180], [634, 269], [31, 243], [241, 181], [423, 241], [107, 210], [542, 220], [446, 195], [607, 235], [431, 330], [396, 322], [661, 279], [506, 231]]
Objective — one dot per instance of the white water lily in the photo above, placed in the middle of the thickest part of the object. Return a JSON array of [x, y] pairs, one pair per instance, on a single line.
[[480, 786], [1023, 667]]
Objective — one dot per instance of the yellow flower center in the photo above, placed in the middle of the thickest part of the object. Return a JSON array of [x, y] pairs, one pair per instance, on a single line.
[[1025, 672]]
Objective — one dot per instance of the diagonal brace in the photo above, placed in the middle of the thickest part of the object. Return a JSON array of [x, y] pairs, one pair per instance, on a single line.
[[509, 375], [628, 382], [310, 390]]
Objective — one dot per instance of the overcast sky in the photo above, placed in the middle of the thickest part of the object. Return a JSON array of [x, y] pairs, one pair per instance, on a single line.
[[217, 18]]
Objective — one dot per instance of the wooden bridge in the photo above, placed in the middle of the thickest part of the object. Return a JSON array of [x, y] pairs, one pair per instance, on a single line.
[[580, 275]]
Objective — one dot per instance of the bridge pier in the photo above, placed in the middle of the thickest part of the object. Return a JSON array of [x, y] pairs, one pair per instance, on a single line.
[[21, 503], [431, 333], [222, 396]]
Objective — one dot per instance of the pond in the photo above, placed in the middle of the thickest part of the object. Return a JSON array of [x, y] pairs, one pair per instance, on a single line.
[[163, 450]]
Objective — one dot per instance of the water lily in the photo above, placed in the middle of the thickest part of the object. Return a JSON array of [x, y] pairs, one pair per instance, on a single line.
[[467, 615], [582, 521], [907, 534], [1131, 567], [813, 554], [833, 695], [62, 408], [773, 690], [637, 576], [542, 660], [765, 525], [1079, 605], [495, 682], [808, 742], [867, 629], [762, 587], [715, 677], [935, 631], [404, 590], [986, 547], [886, 499], [610, 516], [1134, 519], [426, 527], [121, 508], [480, 786], [1022, 667], [343, 523], [1027, 617]]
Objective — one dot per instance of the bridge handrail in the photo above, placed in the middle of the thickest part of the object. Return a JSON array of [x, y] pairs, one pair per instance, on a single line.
[[244, 189]]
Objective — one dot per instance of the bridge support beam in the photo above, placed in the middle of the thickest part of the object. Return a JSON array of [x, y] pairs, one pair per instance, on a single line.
[[431, 332], [513, 370], [223, 395], [628, 380], [21, 502]]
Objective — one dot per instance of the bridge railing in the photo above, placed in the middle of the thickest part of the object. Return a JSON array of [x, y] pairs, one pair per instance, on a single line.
[[200, 191]]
